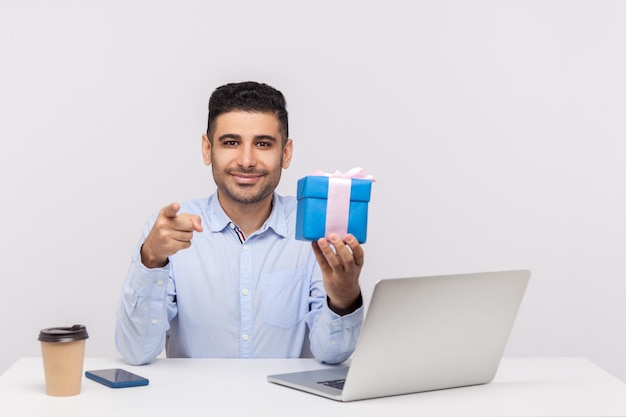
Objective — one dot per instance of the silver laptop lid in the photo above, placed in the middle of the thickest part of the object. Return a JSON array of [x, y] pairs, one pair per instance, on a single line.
[[428, 333]]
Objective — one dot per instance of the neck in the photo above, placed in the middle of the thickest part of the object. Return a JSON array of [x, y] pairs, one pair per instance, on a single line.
[[248, 216]]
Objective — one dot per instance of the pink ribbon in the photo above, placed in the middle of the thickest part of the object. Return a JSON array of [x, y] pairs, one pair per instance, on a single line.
[[338, 204], [355, 172]]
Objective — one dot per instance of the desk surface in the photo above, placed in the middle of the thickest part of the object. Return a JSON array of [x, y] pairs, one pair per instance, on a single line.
[[238, 387]]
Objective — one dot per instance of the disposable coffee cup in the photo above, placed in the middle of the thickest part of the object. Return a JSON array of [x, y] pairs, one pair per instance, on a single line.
[[63, 352]]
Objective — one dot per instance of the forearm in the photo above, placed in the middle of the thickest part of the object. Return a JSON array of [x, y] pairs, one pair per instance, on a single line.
[[333, 337], [142, 314]]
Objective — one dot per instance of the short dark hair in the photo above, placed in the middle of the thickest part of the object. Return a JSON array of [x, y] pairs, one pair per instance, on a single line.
[[248, 96]]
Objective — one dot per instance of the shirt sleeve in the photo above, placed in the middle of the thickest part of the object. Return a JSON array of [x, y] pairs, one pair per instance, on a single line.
[[333, 337], [144, 311]]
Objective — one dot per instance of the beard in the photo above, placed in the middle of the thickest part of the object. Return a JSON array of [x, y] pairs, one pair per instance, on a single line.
[[246, 193]]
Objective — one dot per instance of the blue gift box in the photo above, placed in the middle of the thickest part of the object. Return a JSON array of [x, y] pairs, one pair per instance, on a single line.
[[313, 204]]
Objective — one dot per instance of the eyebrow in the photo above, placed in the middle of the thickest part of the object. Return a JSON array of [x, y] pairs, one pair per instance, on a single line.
[[266, 137], [229, 136]]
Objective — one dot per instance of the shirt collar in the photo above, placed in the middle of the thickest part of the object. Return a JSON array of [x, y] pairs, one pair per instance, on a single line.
[[218, 220]]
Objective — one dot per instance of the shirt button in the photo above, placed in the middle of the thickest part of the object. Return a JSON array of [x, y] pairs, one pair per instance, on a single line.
[[245, 247], [159, 282], [154, 321], [245, 291], [232, 225], [245, 336]]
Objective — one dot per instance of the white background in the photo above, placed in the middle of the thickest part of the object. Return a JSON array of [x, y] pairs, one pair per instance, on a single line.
[[495, 130]]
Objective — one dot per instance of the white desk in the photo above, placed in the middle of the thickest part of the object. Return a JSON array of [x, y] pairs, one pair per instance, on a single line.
[[238, 387]]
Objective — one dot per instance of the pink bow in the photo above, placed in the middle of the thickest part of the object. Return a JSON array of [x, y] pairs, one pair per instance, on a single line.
[[355, 172]]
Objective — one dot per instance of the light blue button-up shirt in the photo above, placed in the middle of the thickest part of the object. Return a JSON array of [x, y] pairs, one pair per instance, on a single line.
[[228, 298]]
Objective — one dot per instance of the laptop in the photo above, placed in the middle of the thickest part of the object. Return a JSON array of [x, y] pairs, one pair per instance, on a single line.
[[424, 334]]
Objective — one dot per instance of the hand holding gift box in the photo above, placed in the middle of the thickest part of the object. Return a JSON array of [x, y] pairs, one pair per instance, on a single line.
[[333, 203]]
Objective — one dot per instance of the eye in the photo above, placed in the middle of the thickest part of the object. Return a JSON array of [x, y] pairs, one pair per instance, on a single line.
[[230, 143], [264, 144]]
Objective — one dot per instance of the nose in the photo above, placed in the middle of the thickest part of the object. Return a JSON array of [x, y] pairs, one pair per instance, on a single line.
[[247, 156]]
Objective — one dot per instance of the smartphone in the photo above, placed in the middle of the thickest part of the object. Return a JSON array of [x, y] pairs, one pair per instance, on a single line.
[[116, 378]]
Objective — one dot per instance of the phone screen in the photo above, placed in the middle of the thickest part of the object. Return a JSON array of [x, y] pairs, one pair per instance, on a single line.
[[116, 378]]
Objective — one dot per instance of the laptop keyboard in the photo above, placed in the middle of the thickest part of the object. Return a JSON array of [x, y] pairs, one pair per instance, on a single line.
[[335, 383]]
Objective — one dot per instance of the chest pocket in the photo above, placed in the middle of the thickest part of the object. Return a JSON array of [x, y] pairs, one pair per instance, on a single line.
[[285, 297]]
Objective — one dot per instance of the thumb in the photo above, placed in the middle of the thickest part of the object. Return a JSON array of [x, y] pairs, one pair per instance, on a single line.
[[171, 210]]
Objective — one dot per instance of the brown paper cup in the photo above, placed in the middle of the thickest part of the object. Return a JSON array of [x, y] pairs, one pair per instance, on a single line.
[[63, 352]]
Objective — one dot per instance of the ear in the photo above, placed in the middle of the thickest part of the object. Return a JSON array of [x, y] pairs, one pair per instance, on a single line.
[[287, 153], [206, 150]]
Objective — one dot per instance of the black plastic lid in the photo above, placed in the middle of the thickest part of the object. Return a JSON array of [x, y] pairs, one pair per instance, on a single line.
[[63, 334]]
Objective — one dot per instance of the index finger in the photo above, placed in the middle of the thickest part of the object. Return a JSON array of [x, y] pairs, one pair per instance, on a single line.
[[196, 221], [356, 248]]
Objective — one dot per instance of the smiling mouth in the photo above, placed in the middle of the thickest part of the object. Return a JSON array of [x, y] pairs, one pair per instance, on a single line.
[[246, 178]]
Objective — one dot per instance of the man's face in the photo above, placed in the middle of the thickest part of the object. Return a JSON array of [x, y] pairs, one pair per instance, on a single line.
[[247, 156]]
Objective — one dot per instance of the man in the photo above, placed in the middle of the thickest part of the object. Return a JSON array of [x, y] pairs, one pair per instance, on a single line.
[[224, 276]]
